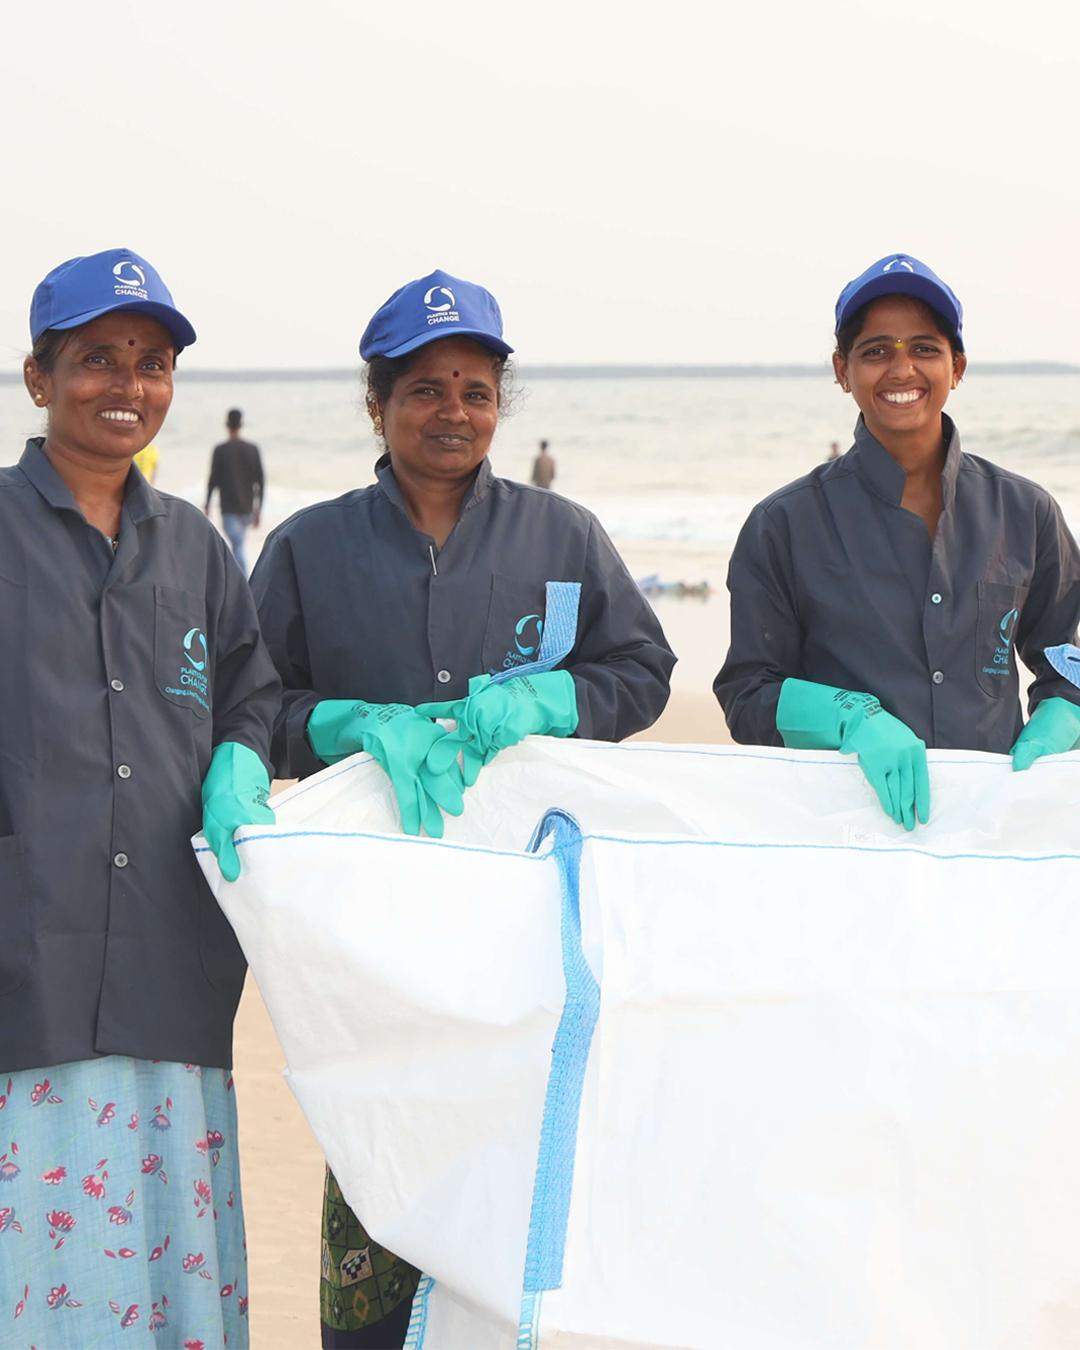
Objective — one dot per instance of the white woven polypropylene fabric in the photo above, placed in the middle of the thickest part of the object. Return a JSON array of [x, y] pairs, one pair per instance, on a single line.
[[833, 1095]]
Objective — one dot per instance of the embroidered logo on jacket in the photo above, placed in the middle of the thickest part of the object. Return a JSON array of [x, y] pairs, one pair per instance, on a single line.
[[1003, 644], [192, 677]]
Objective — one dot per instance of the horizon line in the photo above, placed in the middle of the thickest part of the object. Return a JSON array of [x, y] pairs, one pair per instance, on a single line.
[[589, 370]]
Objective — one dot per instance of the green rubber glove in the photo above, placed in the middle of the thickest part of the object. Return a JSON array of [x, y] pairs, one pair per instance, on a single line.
[[1054, 728], [819, 717], [399, 739], [494, 716], [234, 793]]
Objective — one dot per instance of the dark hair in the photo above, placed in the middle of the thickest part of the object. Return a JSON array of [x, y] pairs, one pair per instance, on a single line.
[[382, 372], [852, 326], [234, 419], [48, 347]]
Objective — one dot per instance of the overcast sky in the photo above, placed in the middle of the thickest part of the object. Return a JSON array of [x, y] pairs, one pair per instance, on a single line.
[[670, 182]]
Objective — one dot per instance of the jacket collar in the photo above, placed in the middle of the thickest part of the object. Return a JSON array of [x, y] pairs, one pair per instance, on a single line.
[[886, 479], [141, 501], [391, 489]]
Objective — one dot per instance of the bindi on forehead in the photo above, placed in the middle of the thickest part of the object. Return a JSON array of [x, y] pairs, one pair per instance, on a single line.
[[131, 342], [456, 374]]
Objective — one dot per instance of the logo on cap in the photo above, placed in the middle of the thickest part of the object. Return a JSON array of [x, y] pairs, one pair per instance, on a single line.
[[440, 301], [898, 262], [136, 277], [434, 305], [130, 279]]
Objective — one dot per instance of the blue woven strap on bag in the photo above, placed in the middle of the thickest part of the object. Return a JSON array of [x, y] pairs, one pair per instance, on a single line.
[[560, 630], [554, 1179], [1065, 660]]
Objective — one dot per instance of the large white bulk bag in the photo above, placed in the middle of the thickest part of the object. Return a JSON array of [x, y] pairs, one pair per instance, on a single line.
[[730, 1060]]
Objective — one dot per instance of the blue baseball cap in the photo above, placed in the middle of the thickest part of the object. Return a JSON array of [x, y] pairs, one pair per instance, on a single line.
[[435, 306], [83, 289], [901, 274]]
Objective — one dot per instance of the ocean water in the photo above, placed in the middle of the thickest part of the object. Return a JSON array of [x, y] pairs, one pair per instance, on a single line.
[[671, 464]]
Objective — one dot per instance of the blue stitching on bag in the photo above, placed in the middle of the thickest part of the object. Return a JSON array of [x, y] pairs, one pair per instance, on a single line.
[[562, 1102], [528, 1337], [635, 841], [414, 1337]]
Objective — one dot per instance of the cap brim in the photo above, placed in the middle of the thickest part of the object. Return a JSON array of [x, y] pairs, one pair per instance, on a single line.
[[905, 283], [181, 331], [497, 345]]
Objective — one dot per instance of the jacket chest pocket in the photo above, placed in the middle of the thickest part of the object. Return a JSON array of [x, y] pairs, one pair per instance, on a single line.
[[515, 623], [182, 656], [1000, 605]]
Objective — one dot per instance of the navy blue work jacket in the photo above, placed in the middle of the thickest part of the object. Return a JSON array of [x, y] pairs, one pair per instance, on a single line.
[[356, 603], [121, 673], [833, 581]]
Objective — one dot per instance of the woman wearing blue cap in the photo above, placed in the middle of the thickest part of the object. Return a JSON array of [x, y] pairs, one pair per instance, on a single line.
[[141, 688], [877, 605], [442, 591]]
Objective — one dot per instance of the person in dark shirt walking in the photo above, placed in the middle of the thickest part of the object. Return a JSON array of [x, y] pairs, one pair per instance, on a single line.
[[236, 472]]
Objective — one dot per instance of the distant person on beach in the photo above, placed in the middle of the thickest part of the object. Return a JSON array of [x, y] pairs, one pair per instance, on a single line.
[[543, 469], [834, 450], [141, 705], [397, 594], [236, 472], [878, 605]]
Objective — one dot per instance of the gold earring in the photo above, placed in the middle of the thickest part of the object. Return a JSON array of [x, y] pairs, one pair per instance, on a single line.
[[39, 398], [376, 422]]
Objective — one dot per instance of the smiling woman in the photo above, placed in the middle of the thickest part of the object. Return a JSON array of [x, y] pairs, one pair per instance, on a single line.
[[905, 568], [142, 705], [442, 582]]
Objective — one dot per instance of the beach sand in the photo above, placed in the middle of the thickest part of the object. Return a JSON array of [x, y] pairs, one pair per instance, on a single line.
[[282, 1165]]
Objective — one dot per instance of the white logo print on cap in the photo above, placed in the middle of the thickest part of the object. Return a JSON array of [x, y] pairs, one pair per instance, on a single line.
[[448, 303], [440, 302], [130, 279], [898, 262], [136, 276]]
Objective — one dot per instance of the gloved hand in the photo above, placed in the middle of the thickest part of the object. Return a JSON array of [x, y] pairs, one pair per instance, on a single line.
[[819, 717], [1053, 729], [495, 716], [399, 738], [234, 793]]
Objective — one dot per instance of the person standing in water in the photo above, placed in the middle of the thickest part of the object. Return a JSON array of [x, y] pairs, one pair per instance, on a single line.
[[236, 472], [543, 469], [878, 604]]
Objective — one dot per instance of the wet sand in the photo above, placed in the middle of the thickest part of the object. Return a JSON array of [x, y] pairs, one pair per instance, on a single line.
[[282, 1166]]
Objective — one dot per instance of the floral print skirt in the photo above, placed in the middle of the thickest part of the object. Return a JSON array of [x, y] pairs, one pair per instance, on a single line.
[[120, 1215]]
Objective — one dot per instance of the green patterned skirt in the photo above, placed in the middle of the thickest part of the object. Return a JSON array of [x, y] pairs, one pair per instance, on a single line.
[[361, 1283]]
